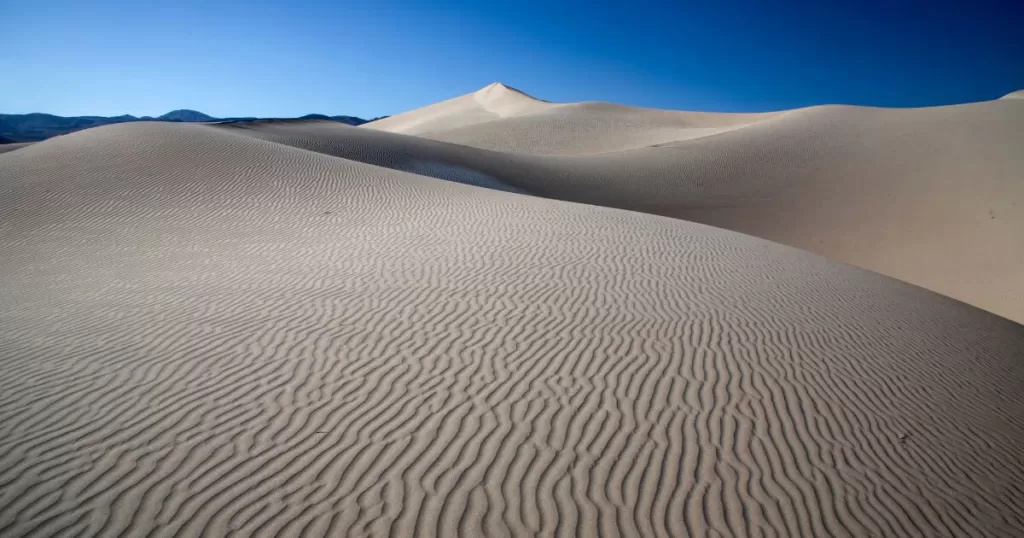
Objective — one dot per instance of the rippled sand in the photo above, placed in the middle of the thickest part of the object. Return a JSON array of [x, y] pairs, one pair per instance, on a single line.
[[287, 329]]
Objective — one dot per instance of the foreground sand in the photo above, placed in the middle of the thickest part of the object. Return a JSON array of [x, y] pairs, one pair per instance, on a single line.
[[205, 333]]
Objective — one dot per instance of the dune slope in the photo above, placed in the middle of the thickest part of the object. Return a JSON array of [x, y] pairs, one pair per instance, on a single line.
[[207, 333], [4, 148]]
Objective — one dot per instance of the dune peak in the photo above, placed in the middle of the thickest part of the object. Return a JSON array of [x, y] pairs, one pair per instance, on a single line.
[[1019, 94], [503, 100], [498, 88], [499, 85]]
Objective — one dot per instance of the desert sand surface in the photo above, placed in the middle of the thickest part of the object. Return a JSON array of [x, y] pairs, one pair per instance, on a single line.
[[281, 330]]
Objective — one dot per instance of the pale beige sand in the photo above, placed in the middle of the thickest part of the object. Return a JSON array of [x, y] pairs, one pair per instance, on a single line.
[[204, 333], [932, 196]]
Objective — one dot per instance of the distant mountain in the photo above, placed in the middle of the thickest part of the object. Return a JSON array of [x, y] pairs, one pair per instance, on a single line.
[[351, 120], [186, 115], [36, 126]]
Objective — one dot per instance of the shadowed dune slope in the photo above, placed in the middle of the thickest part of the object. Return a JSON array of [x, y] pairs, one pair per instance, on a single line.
[[206, 333], [931, 196], [4, 148]]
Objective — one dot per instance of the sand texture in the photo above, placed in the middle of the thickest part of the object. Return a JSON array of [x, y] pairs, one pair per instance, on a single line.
[[289, 329]]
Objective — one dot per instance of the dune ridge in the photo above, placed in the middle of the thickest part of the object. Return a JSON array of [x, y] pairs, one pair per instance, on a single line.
[[210, 333]]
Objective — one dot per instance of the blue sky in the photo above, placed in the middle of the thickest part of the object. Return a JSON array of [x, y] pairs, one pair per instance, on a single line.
[[375, 58]]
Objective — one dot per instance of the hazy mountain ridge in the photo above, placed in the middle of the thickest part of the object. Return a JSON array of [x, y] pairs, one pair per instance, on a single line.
[[184, 114], [37, 126]]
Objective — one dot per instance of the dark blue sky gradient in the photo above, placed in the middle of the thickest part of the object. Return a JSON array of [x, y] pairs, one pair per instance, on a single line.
[[373, 58]]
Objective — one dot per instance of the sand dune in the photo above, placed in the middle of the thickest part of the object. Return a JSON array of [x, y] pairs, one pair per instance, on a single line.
[[930, 196], [211, 331]]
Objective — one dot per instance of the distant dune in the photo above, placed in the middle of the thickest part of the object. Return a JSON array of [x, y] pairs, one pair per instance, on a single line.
[[286, 328], [505, 119]]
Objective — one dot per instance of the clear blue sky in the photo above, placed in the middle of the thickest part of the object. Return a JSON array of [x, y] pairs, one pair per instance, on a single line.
[[78, 57]]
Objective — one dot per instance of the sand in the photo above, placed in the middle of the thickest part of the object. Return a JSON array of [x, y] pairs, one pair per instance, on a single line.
[[212, 331]]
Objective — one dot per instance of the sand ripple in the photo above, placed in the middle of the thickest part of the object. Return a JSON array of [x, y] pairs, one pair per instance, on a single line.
[[204, 333]]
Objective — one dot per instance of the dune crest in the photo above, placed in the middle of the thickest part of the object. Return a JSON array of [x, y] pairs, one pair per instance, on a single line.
[[505, 101], [491, 102]]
